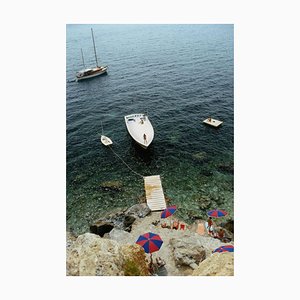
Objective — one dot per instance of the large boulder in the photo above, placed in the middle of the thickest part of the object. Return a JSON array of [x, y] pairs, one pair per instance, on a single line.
[[134, 261], [228, 235], [187, 251], [122, 220], [229, 225], [128, 221], [121, 236], [138, 210], [91, 255], [219, 264], [70, 239]]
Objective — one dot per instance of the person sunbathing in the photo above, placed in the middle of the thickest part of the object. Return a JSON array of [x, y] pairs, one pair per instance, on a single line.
[[160, 262], [210, 226], [221, 234], [164, 225], [175, 224]]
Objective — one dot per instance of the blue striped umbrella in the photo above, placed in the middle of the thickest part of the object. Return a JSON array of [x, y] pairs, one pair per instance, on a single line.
[[169, 211], [151, 242], [226, 248], [217, 213]]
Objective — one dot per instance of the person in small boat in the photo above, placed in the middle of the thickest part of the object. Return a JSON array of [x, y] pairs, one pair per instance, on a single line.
[[142, 121], [145, 138], [209, 119]]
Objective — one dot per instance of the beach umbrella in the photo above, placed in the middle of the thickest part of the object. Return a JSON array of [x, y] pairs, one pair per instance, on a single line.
[[169, 211], [226, 248], [217, 213], [151, 242]]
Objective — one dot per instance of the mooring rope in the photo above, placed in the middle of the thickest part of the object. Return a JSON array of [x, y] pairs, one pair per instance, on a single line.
[[125, 162]]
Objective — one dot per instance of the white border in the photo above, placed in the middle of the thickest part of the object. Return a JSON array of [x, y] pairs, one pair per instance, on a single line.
[[33, 148]]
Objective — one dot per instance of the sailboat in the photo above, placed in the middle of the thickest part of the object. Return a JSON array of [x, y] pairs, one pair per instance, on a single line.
[[140, 129], [91, 72]]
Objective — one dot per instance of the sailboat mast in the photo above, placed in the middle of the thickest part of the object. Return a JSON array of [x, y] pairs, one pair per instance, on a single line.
[[94, 47], [82, 58]]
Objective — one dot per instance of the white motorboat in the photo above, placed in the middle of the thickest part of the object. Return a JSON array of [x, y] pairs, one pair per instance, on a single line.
[[106, 141], [140, 129], [91, 72]]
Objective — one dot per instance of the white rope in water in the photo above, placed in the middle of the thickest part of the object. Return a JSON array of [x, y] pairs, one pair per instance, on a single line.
[[125, 162]]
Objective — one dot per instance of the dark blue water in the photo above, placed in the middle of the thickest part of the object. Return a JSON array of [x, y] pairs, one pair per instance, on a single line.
[[180, 75]]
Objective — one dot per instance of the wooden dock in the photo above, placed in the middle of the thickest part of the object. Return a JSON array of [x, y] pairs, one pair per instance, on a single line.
[[154, 193]]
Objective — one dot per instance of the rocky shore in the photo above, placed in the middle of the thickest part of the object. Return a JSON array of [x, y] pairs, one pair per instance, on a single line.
[[109, 248]]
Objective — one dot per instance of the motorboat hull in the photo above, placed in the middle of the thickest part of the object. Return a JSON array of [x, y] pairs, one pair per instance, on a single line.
[[140, 129]]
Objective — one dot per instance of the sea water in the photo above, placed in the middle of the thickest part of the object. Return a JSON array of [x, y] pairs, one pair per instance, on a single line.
[[179, 75]]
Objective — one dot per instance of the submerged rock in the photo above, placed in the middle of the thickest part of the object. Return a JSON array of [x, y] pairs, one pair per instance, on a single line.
[[81, 178], [226, 168], [114, 186], [204, 202], [219, 264], [200, 156], [206, 172], [142, 199], [168, 199]]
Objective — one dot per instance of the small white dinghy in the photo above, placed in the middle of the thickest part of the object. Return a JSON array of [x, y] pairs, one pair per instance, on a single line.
[[140, 129], [106, 141]]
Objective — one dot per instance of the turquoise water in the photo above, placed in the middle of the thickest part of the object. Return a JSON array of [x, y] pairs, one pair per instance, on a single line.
[[180, 75]]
